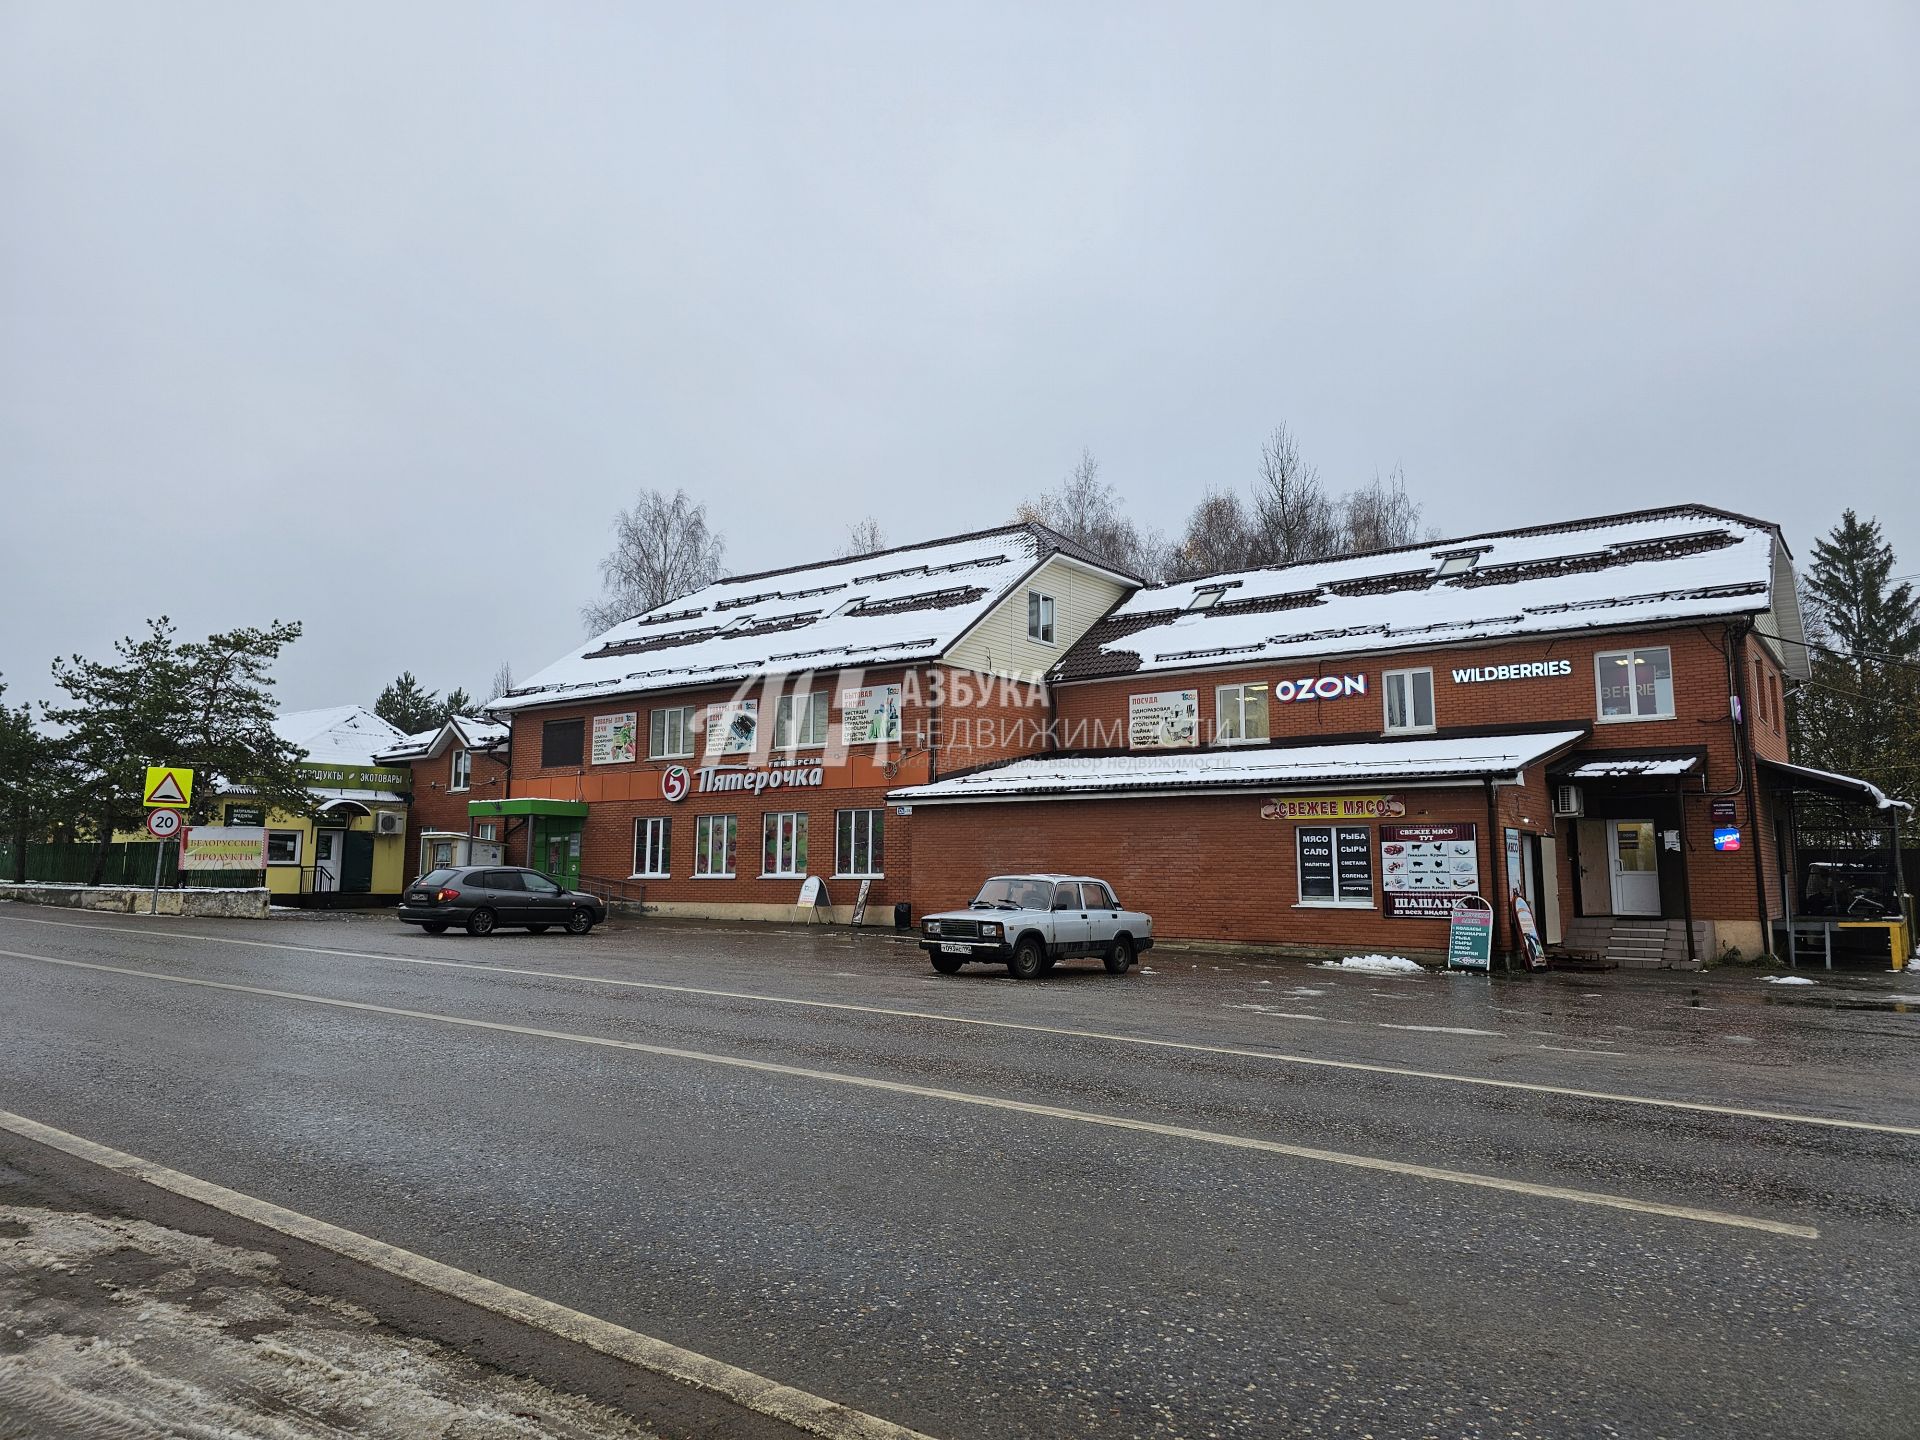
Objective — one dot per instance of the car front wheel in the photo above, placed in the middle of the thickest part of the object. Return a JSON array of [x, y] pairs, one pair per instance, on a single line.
[[1028, 960], [1120, 956], [481, 922], [579, 922], [947, 964]]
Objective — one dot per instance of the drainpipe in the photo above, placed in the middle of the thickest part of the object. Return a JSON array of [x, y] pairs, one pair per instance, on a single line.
[[1737, 647], [1686, 876]]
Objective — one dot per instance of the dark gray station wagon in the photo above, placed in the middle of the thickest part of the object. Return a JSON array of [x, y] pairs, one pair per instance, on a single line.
[[482, 898]]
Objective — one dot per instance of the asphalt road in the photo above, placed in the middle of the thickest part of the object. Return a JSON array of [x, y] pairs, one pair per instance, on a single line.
[[1204, 1199]]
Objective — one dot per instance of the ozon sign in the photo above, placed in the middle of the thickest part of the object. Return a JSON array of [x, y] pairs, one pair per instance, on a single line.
[[1324, 687]]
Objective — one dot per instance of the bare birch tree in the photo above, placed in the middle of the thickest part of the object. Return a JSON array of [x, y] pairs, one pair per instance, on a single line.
[[1294, 519], [1088, 511], [663, 548], [863, 538]]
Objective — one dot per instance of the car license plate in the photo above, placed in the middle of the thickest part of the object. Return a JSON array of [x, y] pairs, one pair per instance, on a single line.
[[950, 948], [420, 895]]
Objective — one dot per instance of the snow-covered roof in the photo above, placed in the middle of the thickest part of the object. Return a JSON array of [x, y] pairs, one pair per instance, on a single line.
[[1622, 767], [895, 606], [1827, 781], [468, 732], [343, 735], [1684, 563], [1269, 767]]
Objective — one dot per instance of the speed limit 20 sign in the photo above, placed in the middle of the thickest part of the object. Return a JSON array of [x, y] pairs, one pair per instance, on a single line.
[[163, 824]]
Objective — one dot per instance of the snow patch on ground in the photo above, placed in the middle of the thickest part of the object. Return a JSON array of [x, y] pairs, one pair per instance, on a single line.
[[1787, 980], [174, 1334], [1439, 1029], [1376, 964]]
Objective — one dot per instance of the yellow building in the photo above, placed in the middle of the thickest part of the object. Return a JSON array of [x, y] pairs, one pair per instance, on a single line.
[[352, 850]]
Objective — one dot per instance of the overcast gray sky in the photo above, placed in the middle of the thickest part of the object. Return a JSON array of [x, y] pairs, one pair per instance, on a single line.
[[371, 315]]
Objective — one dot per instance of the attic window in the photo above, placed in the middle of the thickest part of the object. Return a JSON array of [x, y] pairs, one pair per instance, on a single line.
[[1457, 564], [1206, 597], [852, 602]]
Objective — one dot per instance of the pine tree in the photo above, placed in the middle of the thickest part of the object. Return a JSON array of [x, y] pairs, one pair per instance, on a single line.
[[1859, 714], [205, 704], [1849, 581], [34, 782], [408, 707]]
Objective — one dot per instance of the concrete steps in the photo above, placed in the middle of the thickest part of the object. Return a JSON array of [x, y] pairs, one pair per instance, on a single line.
[[1638, 942]]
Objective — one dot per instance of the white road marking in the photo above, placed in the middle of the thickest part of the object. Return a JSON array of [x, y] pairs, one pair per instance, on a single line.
[[993, 1102], [811, 1413], [1276, 1057], [1439, 1029]]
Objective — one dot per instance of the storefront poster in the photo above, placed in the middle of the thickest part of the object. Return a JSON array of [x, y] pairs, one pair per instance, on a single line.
[[733, 727], [1424, 869], [1470, 935], [225, 847], [870, 715], [246, 816], [1528, 933], [613, 738], [1164, 720], [1333, 807]]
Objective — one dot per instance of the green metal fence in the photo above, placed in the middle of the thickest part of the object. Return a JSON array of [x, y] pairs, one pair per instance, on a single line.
[[128, 862]]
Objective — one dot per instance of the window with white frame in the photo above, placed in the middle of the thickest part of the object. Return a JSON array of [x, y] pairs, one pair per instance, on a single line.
[[1635, 684], [800, 720], [462, 770], [1039, 618], [439, 854], [1240, 713], [860, 842], [1409, 699], [714, 840], [1335, 864], [653, 846], [670, 733], [784, 843], [283, 847], [486, 830]]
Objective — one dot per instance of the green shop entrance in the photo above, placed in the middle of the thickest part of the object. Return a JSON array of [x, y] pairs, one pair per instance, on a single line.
[[551, 831]]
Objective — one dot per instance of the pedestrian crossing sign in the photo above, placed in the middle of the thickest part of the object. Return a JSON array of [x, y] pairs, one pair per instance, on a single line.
[[168, 787]]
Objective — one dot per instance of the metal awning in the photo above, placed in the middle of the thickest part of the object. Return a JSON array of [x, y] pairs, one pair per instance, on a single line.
[[529, 805], [1825, 782], [1629, 767]]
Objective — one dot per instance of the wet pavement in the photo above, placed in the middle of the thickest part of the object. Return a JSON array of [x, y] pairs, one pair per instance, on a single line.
[[1218, 1196]]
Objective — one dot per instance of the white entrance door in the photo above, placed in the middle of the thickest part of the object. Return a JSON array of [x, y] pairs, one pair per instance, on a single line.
[[327, 848], [1635, 865]]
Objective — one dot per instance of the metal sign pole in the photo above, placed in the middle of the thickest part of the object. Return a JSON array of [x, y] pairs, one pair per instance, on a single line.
[[159, 854]]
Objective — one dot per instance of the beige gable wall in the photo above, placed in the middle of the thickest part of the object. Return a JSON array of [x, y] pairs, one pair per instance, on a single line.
[[998, 645]]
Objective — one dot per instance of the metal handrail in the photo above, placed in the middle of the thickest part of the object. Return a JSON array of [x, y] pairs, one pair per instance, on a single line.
[[609, 888]]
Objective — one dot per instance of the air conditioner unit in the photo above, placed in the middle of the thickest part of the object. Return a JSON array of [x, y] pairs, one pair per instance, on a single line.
[[389, 822], [1567, 800]]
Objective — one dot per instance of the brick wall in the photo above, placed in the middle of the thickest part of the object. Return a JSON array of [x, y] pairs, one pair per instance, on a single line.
[[437, 806]]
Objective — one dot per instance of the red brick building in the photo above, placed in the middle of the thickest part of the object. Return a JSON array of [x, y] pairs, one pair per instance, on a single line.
[[1588, 716], [715, 754], [463, 760]]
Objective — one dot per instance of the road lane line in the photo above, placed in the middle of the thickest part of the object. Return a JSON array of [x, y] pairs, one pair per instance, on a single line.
[[804, 1411], [1277, 1057], [993, 1102]]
